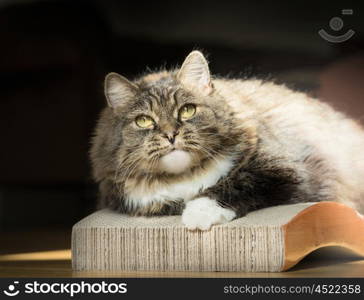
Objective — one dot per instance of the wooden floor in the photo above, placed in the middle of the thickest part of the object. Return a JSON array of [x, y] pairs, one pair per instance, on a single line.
[[46, 254]]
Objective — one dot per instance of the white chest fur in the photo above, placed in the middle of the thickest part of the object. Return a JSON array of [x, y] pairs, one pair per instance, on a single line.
[[186, 189]]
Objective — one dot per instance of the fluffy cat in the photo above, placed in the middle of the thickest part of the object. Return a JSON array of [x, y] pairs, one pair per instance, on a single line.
[[181, 142]]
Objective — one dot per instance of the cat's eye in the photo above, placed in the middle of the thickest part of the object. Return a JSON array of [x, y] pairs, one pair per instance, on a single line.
[[144, 121], [187, 111]]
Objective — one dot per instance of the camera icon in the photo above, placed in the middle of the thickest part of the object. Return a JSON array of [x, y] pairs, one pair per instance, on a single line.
[[11, 292], [337, 24]]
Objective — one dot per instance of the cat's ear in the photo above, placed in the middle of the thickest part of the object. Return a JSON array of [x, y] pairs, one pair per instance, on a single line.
[[195, 73], [118, 90]]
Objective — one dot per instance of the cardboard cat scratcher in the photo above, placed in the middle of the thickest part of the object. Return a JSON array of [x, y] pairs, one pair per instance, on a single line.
[[269, 240]]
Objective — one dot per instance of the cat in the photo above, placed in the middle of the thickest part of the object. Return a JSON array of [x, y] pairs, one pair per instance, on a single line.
[[213, 149]]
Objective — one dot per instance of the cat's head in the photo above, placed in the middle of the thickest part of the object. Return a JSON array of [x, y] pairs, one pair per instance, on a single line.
[[170, 122]]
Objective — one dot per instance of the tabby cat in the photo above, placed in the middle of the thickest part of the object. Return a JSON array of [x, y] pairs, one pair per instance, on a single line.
[[214, 149]]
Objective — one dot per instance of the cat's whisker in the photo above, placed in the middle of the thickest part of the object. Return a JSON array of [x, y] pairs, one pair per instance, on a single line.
[[206, 134], [211, 151], [124, 169], [131, 172], [202, 149]]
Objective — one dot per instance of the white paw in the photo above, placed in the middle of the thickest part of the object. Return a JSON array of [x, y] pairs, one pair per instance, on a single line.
[[204, 212]]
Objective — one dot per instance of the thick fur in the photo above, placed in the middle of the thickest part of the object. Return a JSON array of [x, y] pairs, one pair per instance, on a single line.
[[252, 144]]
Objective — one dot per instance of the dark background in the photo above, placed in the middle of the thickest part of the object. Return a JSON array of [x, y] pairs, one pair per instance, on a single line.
[[55, 54]]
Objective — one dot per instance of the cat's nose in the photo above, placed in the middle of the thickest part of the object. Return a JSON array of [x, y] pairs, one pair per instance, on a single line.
[[171, 136]]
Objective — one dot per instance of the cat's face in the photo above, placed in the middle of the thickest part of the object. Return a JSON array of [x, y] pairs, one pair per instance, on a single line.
[[170, 130], [171, 123]]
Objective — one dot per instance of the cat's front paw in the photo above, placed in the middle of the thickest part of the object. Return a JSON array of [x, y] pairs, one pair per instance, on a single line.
[[204, 212]]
